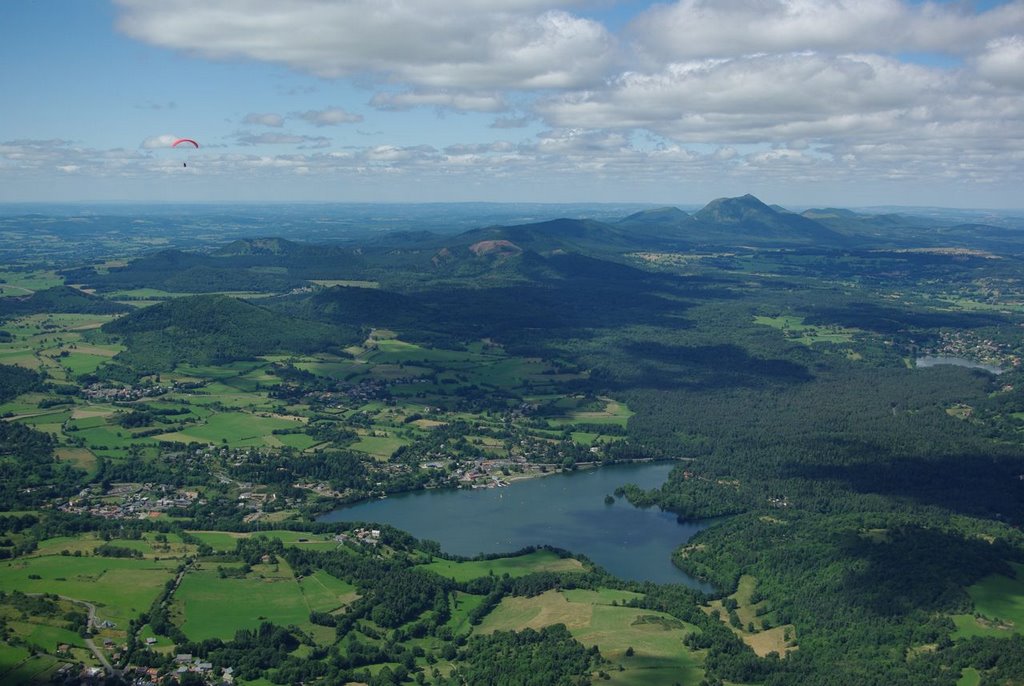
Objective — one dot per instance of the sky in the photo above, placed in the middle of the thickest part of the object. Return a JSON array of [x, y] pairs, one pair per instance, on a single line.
[[846, 103]]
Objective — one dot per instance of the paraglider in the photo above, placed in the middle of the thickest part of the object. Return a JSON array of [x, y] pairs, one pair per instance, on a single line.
[[186, 142]]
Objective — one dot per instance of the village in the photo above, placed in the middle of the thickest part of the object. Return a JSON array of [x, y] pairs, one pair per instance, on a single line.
[[968, 346], [129, 501]]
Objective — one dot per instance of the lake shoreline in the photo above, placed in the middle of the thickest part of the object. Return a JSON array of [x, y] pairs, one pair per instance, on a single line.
[[567, 511]]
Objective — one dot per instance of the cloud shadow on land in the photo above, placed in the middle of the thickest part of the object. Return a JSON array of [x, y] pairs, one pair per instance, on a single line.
[[659, 365], [981, 485]]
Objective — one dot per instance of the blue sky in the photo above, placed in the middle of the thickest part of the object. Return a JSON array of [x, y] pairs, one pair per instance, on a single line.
[[802, 102]]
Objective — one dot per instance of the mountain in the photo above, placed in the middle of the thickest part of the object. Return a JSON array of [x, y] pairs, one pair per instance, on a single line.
[[660, 227], [748, 220], [829, 213], [573, 235], [260, 246], [661, 216], [895, 230]]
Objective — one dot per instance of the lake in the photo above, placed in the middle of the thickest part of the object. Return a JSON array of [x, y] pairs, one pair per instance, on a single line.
[[565, 510], [932, 360]]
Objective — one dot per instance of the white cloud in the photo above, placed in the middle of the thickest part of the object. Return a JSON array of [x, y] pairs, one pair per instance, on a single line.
[[717, 28], [559, 164], [767, 98], [395, 154], [461, 44], [332, 116], [1002, 61], [453, 100], [283, 139], [264, 119], [163, 140], [479, 148]]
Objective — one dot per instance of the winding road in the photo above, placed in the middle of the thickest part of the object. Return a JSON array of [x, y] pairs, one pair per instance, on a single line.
[[89, 643]]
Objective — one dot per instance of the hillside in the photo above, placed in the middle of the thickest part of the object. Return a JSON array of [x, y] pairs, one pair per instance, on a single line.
[[59, 299], [261, 264], [748, 220], [214, 329], [576, 235], [660, 226]]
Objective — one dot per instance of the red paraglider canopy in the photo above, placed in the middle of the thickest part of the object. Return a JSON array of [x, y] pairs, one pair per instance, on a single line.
[[184, 140]]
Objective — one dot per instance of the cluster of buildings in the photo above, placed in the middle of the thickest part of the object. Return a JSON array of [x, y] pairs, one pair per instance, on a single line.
[[183, 664], [107, 393], [129, 501], [966, 345], [363, 536]]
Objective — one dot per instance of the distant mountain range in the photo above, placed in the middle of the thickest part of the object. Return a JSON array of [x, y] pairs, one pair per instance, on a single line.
[[555, 249], [728, 222]]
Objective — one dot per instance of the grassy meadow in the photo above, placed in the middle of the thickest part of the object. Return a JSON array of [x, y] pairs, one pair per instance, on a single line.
[[537, 561], [597, 618], [998, 607], [208, 606]]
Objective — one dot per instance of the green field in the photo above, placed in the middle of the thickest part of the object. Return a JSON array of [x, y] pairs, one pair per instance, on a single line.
[[236, 429], [225, 541], [208, 606], [44, 636], [120, 588], [381, 447], [969, 677], [394, 351], [22, 283], [808, 334], [326, 593], [461, 605], [659, 656], [998, 604], [777, 639], [612, 413], [87, 543], [36, 669], [11, 657], [538, 561]]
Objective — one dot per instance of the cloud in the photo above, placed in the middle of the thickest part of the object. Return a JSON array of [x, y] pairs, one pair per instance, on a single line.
[[29, 158], [332, 116], [404, 154], [562, 164], [479, 148], [164, 140], [283, 139], [715, 28], [1002, 61], [457, 44], [458, 101], [267, 119], [766, 98]]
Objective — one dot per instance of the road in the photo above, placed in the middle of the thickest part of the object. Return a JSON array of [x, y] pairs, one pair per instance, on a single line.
[[89, 643]]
